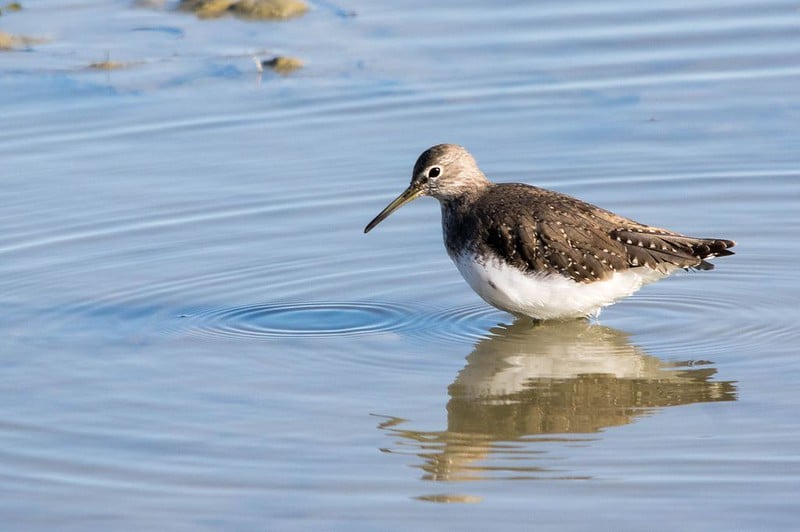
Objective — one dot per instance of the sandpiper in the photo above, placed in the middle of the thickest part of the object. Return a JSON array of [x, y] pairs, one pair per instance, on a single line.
[[539, 253]]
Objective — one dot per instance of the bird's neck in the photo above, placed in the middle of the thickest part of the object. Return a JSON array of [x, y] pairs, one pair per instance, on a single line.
[[465, 197], [456, 207], [457, 221]]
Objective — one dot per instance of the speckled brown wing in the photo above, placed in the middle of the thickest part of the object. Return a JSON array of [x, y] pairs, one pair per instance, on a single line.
[[660, 249], [538, 230]]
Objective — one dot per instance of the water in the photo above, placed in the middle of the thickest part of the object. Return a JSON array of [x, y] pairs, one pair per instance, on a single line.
[[197, 335]]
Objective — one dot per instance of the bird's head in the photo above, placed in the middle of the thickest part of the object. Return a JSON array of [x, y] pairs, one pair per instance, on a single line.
[[445, 172]]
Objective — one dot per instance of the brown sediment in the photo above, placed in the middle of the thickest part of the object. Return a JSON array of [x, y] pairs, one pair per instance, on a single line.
[[9, 41], [249, 9], [107, 65], [207, 8], [269, 9], [283, 64], [13, 6]]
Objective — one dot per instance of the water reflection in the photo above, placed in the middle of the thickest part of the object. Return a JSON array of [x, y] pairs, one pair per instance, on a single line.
[[528, 389]]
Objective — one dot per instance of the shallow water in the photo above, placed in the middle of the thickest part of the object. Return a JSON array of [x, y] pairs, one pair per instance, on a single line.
[[197, 335]]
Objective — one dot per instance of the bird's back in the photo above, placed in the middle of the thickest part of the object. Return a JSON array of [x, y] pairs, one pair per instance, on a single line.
[[541, 231]]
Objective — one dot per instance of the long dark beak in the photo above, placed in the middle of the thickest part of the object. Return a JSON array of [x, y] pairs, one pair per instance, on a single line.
[[408, 195]]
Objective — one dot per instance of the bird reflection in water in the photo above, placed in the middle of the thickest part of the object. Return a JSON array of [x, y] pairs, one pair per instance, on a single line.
[[527, 388]]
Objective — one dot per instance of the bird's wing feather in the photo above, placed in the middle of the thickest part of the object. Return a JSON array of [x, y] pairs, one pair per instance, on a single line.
[[539, 230]]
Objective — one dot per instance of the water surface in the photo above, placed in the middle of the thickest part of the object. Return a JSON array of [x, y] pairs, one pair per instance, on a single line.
[[197, 335]]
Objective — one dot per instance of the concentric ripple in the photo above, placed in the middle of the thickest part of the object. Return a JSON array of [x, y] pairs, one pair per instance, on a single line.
[[464, 323], [726, 325], [326, 319], [302, 319]]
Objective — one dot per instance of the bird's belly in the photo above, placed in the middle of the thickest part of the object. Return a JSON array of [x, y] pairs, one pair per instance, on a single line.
[[546, 295]]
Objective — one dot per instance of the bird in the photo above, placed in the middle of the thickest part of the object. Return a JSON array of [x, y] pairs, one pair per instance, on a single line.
[[539, 253]]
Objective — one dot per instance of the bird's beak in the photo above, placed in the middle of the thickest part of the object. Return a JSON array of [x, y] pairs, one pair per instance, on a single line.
[[408, 195]]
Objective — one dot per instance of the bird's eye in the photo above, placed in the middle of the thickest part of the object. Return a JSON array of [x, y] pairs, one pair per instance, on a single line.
[[434, 171]]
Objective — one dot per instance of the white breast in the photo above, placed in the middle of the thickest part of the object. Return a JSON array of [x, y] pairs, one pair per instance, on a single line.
[[546, 296]]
